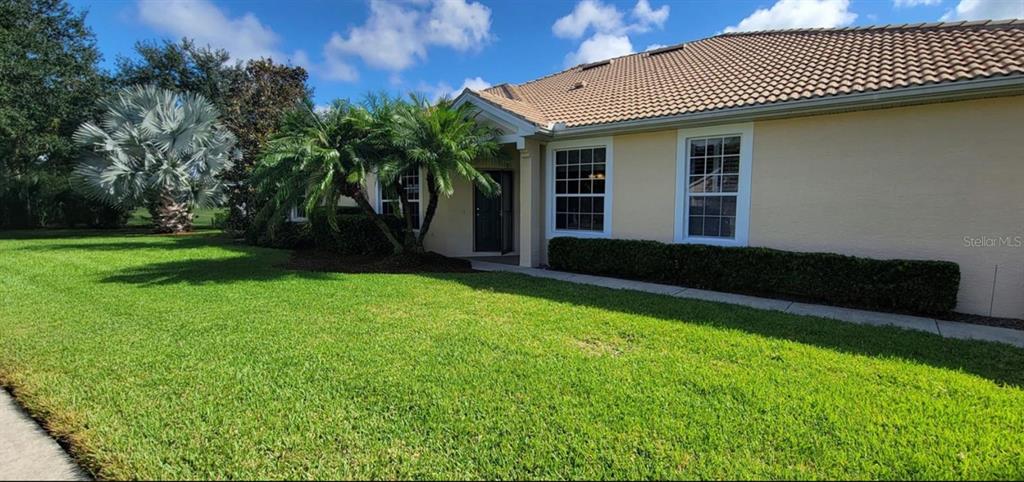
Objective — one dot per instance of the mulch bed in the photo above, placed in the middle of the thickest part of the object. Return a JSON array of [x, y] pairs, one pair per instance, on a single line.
[[325, 261]]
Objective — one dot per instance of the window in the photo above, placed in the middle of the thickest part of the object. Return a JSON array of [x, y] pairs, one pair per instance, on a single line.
[[298, 212], [390, 203], [580, 184], [714, 184]]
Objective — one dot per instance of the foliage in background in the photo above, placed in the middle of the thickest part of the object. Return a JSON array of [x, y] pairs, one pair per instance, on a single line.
[[253, 111], [49, 81], [156, 148], [921, 287], [253, 97]]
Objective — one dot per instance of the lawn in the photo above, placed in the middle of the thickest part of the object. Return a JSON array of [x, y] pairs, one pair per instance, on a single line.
[[189, 357]]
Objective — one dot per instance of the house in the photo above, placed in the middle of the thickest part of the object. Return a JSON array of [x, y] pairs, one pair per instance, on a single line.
[[886, 142]]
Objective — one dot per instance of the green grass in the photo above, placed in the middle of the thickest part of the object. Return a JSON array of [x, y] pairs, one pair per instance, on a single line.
[[190, 357]]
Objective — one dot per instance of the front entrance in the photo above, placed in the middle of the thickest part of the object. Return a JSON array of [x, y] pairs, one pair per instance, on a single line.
[[493, 221]]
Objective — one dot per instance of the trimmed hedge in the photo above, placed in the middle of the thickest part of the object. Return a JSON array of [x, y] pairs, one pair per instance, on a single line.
[[922, 287]]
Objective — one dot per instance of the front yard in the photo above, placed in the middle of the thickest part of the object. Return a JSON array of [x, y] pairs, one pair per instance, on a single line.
[[190, 357]]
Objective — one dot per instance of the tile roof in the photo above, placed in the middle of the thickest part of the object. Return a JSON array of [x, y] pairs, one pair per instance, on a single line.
[[755, 68]]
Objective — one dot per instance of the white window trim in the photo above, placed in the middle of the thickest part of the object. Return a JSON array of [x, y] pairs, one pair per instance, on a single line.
[[293, 216], [746, 133], [549, 204], [379, 204]]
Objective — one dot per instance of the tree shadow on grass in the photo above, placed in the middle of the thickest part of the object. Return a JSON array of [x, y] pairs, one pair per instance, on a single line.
[[999, 363]]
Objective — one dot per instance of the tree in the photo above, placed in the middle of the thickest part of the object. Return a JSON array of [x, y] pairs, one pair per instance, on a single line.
[[158, 148], [181, 67], [49, 81], [317, 158], [444, 141], [257, 102]]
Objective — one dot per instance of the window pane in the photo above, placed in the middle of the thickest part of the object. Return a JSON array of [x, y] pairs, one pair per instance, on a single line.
[[574, 157], [598, 187], [711, 225], [731, 145], [697, 148], [712, 206], [730, 184], [599, 155], [697, 166], [573, 187], [586, 156], [728, 227], [586, 204], [562, 187], [714, 147], [598, 205], [585, 222], [598, 171], [562, 221], [574, 204], [560, 157], [697, 183], [561, 204], [731, 164], [729, 206], [585, 187], [586, 170], [561, 172], [696, 224], [574, 171], [598, 222], [697, 206]]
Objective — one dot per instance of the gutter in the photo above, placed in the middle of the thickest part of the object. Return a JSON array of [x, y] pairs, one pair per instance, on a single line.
[[962, 90]]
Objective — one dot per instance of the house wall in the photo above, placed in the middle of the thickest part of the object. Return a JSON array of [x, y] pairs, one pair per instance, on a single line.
[[908, 182], [452, 230]]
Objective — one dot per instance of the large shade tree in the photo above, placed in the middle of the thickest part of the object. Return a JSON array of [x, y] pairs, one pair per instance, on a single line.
[[157, 148]]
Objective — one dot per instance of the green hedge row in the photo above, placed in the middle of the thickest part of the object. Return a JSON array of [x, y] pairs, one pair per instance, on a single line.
[[356, 234], [922, 287]]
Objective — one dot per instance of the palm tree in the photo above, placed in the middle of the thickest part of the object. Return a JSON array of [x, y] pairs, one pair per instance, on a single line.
[[443, 140], [318, 157], [157, 148]]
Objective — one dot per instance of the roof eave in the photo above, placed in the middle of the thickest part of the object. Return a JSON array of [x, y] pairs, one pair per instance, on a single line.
[[961, 90]]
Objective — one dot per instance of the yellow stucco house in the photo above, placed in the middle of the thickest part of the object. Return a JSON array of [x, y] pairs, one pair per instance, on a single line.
[[885, 142]]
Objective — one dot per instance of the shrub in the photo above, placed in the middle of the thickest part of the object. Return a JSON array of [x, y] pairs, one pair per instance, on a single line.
[[922, 287], [356, 234]]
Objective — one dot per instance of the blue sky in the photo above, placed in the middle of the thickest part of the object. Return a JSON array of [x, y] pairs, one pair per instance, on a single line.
[[437, 46]]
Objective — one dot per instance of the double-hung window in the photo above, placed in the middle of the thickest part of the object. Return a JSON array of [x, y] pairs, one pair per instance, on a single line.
[[390, 203], [580, 185], [715, 178]]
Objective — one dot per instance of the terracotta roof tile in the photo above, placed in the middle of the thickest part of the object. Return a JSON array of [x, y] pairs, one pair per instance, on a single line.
[[751, 68]]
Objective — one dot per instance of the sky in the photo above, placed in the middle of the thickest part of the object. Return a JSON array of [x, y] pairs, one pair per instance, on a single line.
[[438, 47]]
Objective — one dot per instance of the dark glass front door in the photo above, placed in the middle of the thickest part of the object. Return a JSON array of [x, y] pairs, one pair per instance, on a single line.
[[493, 217]]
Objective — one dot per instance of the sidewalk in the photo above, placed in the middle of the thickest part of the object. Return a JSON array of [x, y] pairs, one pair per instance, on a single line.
[[26, 451], [948, 329]]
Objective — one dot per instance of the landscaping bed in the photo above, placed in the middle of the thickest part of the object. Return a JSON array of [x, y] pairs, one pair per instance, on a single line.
[[332, 262]]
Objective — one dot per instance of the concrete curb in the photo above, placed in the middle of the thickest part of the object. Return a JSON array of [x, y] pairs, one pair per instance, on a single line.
[[947, 329], [27, 452]]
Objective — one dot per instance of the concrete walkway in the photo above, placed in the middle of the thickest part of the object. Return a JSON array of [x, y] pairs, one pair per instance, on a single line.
[[948, 329], [26, 451]]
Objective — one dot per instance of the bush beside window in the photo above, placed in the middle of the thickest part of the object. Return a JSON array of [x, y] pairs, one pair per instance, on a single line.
[[356, 234], [921, 287]]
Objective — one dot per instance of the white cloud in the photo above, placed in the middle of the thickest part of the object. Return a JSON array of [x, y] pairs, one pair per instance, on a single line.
[[647, 17], [654, 46], [609, 28], [444, 89], [397, 35], [607, 19], [599, 47], [914, 3], [798, 14], [244, 36], [986, 10], [587, 14]]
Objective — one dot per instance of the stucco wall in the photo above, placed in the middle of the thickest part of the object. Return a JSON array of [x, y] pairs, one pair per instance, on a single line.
[[907, 182], [643, 193]]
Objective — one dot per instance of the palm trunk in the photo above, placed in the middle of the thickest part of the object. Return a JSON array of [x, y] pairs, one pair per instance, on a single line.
[[428, 216], [411, 241], [170, 216], [364, 204]]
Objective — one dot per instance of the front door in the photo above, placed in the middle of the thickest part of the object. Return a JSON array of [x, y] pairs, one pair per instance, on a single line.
[[493, 217]]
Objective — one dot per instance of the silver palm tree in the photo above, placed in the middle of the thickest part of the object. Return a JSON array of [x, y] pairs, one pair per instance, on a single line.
[[157, 148]]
